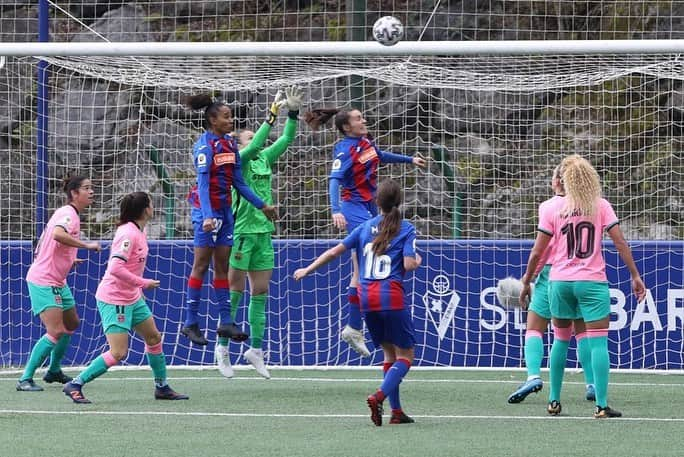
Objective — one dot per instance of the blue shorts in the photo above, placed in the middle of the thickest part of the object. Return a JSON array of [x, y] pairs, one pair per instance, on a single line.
[[356, 213], [395, 327], [222, 235]]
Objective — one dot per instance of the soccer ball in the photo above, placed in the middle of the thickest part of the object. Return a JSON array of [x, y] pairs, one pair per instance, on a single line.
[[388, 30], [508, 292]]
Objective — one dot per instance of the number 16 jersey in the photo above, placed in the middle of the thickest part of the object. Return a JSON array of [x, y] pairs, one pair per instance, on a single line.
[[578, 240], [381, 276]]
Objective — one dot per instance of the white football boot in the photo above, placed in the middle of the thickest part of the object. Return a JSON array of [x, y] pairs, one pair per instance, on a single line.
[[256, 358], [354, 338], [222, 357]]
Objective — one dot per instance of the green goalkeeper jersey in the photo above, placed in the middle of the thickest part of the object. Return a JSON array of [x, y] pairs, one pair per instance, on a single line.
[[257, 169]]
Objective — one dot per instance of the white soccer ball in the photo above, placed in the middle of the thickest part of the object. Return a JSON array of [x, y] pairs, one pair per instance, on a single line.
[[508, 292], [388, 30]]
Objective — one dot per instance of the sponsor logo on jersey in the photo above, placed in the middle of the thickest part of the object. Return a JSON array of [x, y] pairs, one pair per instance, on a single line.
[[224, 158], [368, 154], [337, 164]]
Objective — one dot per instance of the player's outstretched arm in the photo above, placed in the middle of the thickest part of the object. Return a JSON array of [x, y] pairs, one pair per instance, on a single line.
[[323, 259]]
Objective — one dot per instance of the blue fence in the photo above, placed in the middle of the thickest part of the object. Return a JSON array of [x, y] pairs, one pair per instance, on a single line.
[[458, 320]]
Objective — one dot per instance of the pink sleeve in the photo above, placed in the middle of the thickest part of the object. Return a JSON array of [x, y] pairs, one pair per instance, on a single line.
[[608, 216], [545, 219], [117, 267]]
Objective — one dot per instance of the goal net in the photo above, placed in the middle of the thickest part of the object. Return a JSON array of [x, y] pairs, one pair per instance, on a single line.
[[494, 127]]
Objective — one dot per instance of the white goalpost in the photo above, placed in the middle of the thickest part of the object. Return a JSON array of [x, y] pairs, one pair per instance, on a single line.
[[495, 118]]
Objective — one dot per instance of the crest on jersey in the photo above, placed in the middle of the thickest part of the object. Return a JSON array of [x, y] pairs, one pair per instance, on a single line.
[[337, 164], [201, 159], [440, 304], [125, 245]]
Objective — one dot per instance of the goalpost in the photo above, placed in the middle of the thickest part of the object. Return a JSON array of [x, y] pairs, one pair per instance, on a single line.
[[495, 117]]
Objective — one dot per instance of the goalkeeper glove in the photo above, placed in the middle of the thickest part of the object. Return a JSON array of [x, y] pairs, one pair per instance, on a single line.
[[275, 107], [293, 100]]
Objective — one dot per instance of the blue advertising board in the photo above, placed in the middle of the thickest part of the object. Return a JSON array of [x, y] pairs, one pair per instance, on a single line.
[[458, 320]]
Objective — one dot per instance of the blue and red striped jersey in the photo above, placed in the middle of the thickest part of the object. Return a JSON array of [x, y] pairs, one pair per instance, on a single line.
[[217, 162], [381, 276], [355, 164]]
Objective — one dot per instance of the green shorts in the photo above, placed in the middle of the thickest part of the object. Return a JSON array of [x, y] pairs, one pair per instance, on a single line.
[[121, 319], [588, 300], [252, 252], [44, 297], [540, 297]]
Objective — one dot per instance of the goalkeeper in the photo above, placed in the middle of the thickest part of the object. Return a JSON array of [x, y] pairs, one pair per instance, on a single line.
[[252, 255]]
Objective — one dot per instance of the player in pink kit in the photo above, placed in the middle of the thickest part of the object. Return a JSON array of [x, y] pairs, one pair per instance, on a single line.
[[51, 298], [121, 303], [539, 315], [578, 283]]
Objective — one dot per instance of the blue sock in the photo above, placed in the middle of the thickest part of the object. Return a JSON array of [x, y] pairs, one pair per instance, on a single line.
[[394, 376], [223, 299], [192, 301], [354, 309], [393, 397]]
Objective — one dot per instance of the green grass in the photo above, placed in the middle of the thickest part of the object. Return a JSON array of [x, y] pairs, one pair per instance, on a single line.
[[323, 413]]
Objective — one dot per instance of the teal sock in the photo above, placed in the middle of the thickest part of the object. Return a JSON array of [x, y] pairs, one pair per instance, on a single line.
[[257, 320], [58, 353], [39, 353], [223, 341], [584, 356], [96, 368], [600, 361], [534, 352], [557, 360], [158, 364], [236, 301]]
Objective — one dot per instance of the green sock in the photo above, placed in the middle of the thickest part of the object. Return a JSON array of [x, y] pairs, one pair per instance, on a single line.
[[96, 368], [236, 301], [158, 364], [557, 359], [534, 352], [39, 353], [600, 361], [584, 356], [257, 320], [58, 353]]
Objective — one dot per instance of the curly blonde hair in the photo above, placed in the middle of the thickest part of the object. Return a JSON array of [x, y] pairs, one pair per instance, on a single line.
[[582, 185]]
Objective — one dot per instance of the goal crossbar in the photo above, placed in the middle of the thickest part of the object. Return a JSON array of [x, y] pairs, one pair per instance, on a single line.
[[345, 48]]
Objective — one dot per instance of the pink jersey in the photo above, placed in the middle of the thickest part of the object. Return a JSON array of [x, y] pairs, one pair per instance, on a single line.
[[122, 282], [545, 258], [578, 254], [52, 259]]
